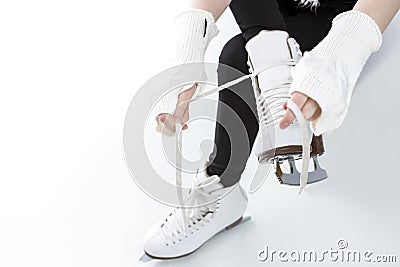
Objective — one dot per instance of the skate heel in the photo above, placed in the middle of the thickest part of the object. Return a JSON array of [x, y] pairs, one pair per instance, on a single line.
[[317, 146], [317, 149], [293, 178], [292, 153], [235, 223]]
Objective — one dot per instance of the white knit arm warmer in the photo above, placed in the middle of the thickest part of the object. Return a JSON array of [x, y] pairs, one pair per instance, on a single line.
[[329, 72], [192, 32]]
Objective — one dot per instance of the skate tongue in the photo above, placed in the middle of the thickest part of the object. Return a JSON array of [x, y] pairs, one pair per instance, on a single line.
[[267, 48], [200, 199], [207, 183]]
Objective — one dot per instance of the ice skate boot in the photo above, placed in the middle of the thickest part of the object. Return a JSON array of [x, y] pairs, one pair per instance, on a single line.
[[272, 55], [224, 209]]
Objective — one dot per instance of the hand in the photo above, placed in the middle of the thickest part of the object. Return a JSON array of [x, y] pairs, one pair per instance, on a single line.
[[181, 113], [192, 32], [310, 109], [324, 78]]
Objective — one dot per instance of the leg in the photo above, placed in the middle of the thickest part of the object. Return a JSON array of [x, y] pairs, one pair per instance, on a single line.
[[229, 158], [309, 28], [267, 42], [170, 238], [253, 16], [230, 155]]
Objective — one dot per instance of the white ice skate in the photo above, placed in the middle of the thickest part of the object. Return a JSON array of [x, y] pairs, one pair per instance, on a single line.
[[272, 55], [170, 238]]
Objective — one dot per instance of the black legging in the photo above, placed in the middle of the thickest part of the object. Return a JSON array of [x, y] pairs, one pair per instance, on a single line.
[[230, 155]]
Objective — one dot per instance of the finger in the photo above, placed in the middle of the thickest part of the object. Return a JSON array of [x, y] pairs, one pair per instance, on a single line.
[[183, 101], [184, 119], [287, 119], [180, 109], [168, 121], [299, 99], [309, 109], [316, 114], [185, 116]]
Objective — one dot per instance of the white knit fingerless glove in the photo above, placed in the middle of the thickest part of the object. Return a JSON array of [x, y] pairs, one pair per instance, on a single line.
[[329, 72], [192, 32]]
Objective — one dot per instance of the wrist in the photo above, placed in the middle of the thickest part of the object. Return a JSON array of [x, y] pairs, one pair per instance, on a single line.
[[329, 72], [351, 40]]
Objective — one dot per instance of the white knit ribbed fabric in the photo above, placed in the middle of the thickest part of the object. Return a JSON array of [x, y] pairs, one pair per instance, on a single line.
[[193, 30], [329, 72]]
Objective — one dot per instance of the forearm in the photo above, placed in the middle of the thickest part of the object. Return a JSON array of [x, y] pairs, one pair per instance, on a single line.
[[215, 7], [381, 11]]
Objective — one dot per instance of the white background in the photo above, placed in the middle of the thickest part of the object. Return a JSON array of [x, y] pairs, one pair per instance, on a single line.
[[68, 70]]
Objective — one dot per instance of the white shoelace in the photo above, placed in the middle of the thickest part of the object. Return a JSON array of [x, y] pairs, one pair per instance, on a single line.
[[265, 116], [269, 108], [194, 215], [269, 105], [306, 140]]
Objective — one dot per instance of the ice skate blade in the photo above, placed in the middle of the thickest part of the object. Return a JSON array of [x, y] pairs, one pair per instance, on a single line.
[[238, 222], [147, 257], [293, 178]]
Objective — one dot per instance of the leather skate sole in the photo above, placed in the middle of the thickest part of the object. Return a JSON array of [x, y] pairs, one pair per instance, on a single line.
[[317, 149], [230, 226]]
